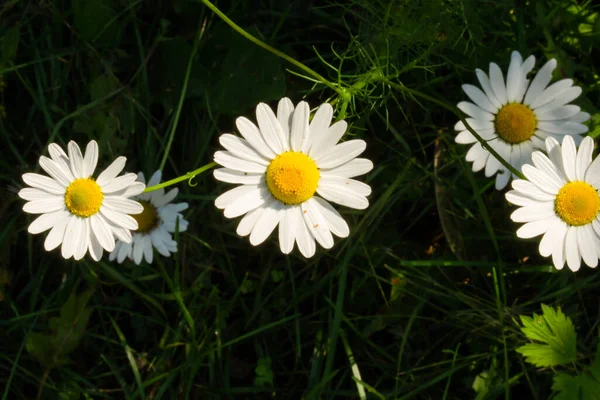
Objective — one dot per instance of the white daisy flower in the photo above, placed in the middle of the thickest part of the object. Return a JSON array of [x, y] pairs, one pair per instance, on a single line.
[[280, 165], [560, 200], [515, 118], [82, 213], [156, 224]]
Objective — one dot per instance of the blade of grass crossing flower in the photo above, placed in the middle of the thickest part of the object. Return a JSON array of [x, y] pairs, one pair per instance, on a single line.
[[354, 366], [130, 357]]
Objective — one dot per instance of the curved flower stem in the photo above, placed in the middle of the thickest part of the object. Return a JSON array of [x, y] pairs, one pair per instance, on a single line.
[[460, 115], [189, 176], [265, 46]]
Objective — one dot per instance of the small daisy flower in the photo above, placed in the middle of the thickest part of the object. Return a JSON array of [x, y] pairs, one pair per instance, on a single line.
[[155, 225], [560, 200], [281, 165], [515, 118], [82, 213]]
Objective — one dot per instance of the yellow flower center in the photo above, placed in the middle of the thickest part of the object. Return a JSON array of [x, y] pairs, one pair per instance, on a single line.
[[148, 219], [292, 177], [577, 203], [83, 197], [515, 123]]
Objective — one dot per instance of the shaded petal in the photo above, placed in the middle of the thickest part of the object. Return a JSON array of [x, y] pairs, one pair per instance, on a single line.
[[240, 148], [111, 171], [76, 160], [515, 78], [341, 154], [287, 230], [572, 249], [479, 98], [300, 130], [584, 158], [318, 126], [49, 204], [61, 175], [335, 222], [497, 82], [271, 130], [474, 111], [44, 183], [558, 113], [90, 160], [229, 160], [232, 195], [47, 221], [539, 82], [323, 143], [285, 109], [316, 223], [487, 88], [273, 212], [355, 167], [551, 93]]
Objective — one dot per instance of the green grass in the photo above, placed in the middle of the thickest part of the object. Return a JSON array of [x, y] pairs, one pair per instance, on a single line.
[[424, 295]]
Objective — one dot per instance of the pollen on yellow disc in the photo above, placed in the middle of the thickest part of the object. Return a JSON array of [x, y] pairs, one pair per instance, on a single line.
[[292, 177], [83, 197], [577, 203], [147, 219], [515, 123]]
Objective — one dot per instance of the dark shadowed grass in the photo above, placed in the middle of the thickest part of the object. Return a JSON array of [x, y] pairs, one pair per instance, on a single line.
[[424, 295]]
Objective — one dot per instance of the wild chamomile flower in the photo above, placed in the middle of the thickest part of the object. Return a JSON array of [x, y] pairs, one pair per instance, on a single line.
[[560, 200], [83, 214], [281, 165], [155, 225], [515, 118]]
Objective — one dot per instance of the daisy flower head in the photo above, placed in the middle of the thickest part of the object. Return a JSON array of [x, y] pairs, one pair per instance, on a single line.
[[517, 116], [156, 225], [560, 200], [82, 213], [281, 166]]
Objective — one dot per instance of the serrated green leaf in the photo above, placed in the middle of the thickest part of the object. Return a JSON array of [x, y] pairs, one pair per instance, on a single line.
[[556, 332], [585, 386]]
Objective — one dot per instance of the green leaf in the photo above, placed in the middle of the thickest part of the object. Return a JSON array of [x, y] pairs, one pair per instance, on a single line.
[[102, 86], [95, 20], [556, 331], [264, 373], [9, 45], [585, 386], [65, 333]]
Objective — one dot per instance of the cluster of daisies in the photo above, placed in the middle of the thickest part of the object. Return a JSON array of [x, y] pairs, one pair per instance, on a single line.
[[290, 167]]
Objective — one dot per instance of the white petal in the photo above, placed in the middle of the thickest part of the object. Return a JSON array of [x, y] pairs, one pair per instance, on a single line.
[[148, 250], [550, 93], [587, 245], [323, 143], [72, 236], [562, 128], [95, 248], [465, 137], [247, 223], [474, 111], [336, 182], [558, 113], [479, 98], [584, 157], [161, 201], [233, 176], [76, 160], [562, 98], [102, 232], [300, 130], [335, 222], [111, 171], [515, 78], [155, 178], [56, 152], [240, 148], [305, 241], [554, 238], [543, 163], [122, 205], [319, 125], [83, 241], [517, 199], [57, 233], [247, 202], [355, 167], [572, 249], [90, 160], [285, 108], [44, 183], [527, 189], [569, 157], [592, 175], [534, 213], [341, 153], [271, 130], [134, 189], [60, 174], [138, 250], [497, 82], [251, 133], [542, 180], [232, 195], [580, 117], [344, 197], [49, 204], [539, 83], [47, 221], [273, 212], [487, 88], [287, 230], [533, 229], [316, 223], [502, 179], [119, 219], [119, 183], [229, 160], [125, 251], [31, 194]]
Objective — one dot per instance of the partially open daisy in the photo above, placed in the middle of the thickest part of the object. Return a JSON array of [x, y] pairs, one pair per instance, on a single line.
[[155, 225], [281, 165], [560, 200], [515, 118], [83, 214]]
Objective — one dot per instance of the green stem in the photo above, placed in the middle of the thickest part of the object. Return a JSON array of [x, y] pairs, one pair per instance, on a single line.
[[460, 115], [182, 96], [265, 46], [189, 176]]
